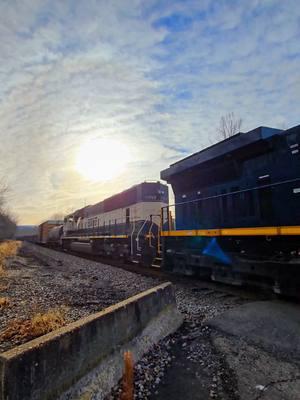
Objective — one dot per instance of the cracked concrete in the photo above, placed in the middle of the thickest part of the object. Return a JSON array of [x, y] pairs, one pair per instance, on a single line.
[[261, 342]]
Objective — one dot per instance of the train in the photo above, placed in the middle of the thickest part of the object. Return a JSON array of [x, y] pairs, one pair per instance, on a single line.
[[47, 232], [125, 225], [235, 218]]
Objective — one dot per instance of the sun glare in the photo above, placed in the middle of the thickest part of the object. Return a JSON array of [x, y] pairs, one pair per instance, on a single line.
[[102, 159]]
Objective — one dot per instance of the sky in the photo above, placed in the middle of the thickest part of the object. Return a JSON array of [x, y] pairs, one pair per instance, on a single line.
[[152, 77]]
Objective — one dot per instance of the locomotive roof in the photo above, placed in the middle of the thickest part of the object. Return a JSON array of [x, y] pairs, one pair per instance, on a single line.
[[226, 146], [91, 208]]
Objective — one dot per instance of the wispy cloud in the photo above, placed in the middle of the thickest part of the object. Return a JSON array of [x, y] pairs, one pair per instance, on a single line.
[[157, 75]]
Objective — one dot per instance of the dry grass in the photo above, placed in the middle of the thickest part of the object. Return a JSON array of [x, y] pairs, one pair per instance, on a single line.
[[128, 378], [8, 249], [4, 286], [38, 325], [4, 302]]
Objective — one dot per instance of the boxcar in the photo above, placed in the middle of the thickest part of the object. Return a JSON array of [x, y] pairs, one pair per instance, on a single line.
[[44, 229]]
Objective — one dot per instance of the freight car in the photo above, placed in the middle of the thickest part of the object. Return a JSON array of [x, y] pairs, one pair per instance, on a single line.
[[237, 209], [125, 225], [55, 236], [44, 229]]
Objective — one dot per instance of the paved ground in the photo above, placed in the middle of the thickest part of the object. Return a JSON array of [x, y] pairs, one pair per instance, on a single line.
[[261, 343], [273, 326]]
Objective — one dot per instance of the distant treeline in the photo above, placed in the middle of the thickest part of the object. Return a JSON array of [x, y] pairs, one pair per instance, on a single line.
[[7, 226], [7, 221], [27, 232]]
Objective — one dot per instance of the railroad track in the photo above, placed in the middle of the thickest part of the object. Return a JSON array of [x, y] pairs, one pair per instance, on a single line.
[[201, 285]]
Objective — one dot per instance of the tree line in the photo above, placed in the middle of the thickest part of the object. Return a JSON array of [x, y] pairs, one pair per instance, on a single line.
[[8, 223]]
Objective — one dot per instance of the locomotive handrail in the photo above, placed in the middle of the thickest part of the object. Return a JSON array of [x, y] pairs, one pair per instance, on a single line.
[[131, 238], [138, 234], [235, 192], [149, 232], [195, 202]]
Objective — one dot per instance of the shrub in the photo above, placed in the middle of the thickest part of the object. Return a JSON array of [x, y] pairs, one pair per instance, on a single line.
[[8, 249], [38, 325], [4, 302]]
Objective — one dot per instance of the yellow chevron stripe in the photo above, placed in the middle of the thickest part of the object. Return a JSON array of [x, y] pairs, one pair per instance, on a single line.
[[257, 231]]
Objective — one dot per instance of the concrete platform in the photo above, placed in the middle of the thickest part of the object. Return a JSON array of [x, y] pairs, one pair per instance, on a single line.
[[261, 344]]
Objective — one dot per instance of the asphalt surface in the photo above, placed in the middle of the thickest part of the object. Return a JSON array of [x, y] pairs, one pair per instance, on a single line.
[[261, 345]]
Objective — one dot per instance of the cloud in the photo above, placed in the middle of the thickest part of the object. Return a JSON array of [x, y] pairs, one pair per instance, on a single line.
[[156, 75]]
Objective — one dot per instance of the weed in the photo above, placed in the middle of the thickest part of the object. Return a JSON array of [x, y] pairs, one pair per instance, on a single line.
[[4, 302], [8, 249], [39, 324], [4, 286]]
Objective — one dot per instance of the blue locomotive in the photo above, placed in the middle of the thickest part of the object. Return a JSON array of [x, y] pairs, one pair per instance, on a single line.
[[236, 216]]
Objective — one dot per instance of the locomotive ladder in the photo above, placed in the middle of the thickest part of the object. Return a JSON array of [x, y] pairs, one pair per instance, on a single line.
[[158, 259]]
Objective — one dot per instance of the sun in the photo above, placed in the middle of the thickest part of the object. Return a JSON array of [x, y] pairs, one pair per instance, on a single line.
[[102, 159]]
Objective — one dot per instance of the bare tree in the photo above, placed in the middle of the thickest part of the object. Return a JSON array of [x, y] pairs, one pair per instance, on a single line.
[[3, 192], [8, 222], [57, 216], [229, 125], [8, 225]]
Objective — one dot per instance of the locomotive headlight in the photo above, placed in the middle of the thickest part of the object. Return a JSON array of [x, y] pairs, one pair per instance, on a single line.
[[102, 159]]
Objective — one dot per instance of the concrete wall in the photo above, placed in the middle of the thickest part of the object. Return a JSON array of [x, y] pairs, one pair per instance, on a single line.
[[84, 359]]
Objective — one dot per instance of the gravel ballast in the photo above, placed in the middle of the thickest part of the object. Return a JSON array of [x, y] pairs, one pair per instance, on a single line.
[[40, 279]]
